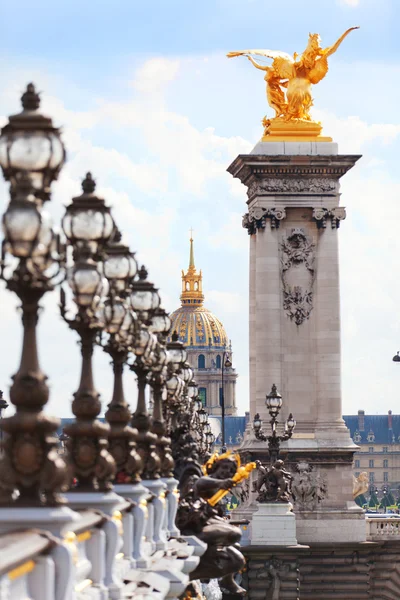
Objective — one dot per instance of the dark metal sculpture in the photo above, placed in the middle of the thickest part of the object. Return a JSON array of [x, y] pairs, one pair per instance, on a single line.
[[273, 484], [196, 516]]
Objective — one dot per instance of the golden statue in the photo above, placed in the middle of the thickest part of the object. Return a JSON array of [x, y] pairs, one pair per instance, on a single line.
[[360, 484], [289, 81]]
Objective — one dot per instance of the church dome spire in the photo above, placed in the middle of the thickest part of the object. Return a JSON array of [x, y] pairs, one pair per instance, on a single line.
[[192, 282]]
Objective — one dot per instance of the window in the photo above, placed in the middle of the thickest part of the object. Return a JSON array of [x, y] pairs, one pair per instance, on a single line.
[[386, 464], [371, 464], [221, 396], [371, 449], [357, 473], [218, 361], [372, 477], [201, 361], [357, 464], [384, 449], [386, 476], [203, 395]]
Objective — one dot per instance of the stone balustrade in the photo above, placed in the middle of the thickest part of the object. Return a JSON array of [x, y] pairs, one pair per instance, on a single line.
[[385, 528], [95, 555]]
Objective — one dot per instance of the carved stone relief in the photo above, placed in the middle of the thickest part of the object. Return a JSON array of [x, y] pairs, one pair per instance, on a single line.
[[256, 218], [321, 215], [309, 487], [275, 577], [297, 272], [289, 185]]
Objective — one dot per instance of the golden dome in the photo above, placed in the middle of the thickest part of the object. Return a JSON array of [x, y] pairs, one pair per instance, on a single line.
[[195, 324]]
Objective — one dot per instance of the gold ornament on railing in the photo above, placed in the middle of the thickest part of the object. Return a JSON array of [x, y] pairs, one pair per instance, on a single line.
[[289, 80]]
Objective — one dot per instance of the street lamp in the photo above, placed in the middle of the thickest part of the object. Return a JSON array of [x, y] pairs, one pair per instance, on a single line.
[[88, 226], [226, 364], [29, 144], [273, 402]]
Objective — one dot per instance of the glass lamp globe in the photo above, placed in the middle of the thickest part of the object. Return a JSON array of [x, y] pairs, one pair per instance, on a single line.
[[85, 282], [30, 144], [161, 358], [273, 401], [187, 373], [145, 299], [87, 218], [198, 404], [228, 363], [115, 315], [176, 351], [203, 416], [120, 266], [160, 322], [291, 422], [174, 385], [192, 390], [208, 435], [257, 422]]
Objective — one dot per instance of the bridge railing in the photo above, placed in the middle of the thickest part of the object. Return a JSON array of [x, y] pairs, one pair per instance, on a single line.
[[385, 528]]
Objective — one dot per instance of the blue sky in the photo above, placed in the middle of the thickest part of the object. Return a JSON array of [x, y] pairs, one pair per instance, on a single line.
[[148, 101]]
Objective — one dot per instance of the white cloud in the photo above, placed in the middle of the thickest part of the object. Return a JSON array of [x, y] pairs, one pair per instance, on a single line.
[[155, 74], [169, 173]]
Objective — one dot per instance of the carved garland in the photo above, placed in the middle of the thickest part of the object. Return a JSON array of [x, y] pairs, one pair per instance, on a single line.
[[297, 250], [303, 185]]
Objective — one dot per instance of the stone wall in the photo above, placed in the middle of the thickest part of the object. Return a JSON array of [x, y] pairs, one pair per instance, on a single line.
[[368, 571]]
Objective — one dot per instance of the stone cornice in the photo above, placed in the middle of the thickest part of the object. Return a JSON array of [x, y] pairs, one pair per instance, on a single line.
[[294, 175]]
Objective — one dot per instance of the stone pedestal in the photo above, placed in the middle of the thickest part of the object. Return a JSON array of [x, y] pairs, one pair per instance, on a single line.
[[274, 525], [293, 220]]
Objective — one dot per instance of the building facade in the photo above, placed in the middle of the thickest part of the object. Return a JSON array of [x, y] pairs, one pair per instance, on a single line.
[[378, 437], [207, 344]]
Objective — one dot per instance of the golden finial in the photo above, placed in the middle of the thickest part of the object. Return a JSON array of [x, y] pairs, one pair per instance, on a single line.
[[191, 257], [289, 80], [192, 281]]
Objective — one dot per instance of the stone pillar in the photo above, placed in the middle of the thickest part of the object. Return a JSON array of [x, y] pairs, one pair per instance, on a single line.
[[293, 219]]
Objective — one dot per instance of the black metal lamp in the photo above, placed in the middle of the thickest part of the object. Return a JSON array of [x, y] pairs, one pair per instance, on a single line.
[[30, 144], [273, 401], [88, 220]]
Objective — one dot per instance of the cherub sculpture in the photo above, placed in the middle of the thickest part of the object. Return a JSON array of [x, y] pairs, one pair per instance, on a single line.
[[273, 484], [198, 516], [289, 79]]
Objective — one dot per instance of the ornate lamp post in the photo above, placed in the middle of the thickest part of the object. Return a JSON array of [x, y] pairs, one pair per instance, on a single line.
[[145, 300], [226, 364], [30, 465], [274, 404], [30, 144], [87, 225], [120, 269]]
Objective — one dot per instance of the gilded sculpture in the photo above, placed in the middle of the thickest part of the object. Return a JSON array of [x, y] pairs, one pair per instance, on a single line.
[[289, 82]]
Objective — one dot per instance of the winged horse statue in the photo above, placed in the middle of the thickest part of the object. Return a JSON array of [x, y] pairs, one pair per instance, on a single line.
[[289, 78]]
